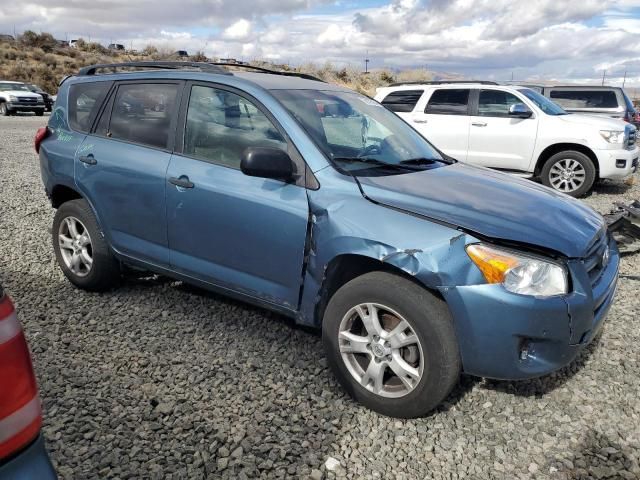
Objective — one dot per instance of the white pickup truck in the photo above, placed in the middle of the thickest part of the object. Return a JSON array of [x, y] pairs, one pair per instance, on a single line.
[[16, 97], [517, 130]]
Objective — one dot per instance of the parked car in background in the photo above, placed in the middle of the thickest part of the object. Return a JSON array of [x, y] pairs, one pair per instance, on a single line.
[[48, 99], [315, 201], [116, 46], [517, 130], [6, 38], [22, 451], [594, 100], [181, 54], [73, 43], [16, 97]]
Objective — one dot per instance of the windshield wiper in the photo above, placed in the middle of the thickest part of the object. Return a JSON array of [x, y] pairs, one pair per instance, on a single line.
[[378, 163], [419, 161]]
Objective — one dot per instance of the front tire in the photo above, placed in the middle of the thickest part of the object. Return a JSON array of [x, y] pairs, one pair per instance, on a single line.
[[391, 344], [569, 172], [39, 113], [4, 111], [81, 250]]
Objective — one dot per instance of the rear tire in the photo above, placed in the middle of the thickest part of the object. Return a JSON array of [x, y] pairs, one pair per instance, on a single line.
[[4, 111], [419, 364], [81, 250], [569, 172]]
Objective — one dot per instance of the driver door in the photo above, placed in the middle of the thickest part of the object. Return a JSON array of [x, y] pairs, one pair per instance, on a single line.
[[243, 233]]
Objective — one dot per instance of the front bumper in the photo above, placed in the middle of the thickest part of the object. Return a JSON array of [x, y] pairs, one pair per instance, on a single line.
[[25, 107], [31, 463], [617, 164], [507, 336]]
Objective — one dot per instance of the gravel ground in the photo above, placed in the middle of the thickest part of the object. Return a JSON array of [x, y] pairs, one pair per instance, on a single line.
[[161, 380]]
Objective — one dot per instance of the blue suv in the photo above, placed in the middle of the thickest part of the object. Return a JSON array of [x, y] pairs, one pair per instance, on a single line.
[[317, 202]]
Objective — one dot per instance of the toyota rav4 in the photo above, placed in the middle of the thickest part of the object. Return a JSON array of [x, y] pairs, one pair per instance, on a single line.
[[317, 202]]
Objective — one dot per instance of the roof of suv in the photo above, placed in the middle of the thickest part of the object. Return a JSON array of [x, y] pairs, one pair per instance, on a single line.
[[264, 78]]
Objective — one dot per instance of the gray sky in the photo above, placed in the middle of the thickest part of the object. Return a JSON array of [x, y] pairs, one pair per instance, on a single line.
[[554, 40]]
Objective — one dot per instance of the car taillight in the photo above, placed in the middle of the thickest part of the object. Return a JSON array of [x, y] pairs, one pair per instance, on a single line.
[[41, 134], [20, 410]]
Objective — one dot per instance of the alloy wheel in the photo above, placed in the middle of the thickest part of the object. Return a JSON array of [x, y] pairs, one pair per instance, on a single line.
[[381, 350], [75, 246], [567, 175]]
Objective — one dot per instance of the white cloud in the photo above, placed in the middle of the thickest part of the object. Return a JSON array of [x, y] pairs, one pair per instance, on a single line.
[[239, 30]]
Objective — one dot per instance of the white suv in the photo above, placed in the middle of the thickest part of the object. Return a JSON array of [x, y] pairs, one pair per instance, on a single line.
[[517, 130]]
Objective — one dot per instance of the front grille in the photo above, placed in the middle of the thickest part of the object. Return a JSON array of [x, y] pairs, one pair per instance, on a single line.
[[595, 260], [631, 140], [27, 100]]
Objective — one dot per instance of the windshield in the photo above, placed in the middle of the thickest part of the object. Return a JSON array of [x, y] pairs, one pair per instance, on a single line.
[[358, 134], [542, 102], [13, 86]]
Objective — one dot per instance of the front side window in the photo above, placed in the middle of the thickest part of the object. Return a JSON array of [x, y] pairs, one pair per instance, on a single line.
[[449, 101], [142, 113], [585, 98], [221, 125], [84, 101], [495, 103], [402, 100], [358, 134]]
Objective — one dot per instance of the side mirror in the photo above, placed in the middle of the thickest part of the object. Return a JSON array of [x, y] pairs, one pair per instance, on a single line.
[[519, 110], [267, 162]]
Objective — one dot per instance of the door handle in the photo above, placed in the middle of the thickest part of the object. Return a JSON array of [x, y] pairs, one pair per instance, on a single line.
[[479, 124], [88, 159], [182, 182], [420, 120]]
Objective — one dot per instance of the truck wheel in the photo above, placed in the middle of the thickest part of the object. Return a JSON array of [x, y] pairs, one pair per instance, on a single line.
[[4, 111], [39, 113], [391, 344], [81, 251], [569, 172]]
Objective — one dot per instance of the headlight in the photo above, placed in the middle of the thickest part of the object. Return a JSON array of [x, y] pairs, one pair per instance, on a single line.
[[519, 273], [613, 136], [13, 98]]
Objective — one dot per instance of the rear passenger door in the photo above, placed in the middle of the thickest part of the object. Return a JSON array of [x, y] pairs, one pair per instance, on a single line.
[[443, 119], [242, 233], [121, 167], [498, 140]]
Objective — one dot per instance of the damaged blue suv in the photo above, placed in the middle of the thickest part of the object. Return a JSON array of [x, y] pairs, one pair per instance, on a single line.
[[319, 203]]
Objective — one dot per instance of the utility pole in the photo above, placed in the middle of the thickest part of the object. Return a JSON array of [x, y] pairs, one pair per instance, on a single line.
[[366, 63], [624, 79], [512, 76], [603, 74]]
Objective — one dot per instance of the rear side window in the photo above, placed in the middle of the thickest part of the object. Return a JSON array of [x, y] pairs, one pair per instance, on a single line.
[[402, 100], [449, 101], [495, 103], [585, 98], [84, 102], [142, 113], [221, 125]]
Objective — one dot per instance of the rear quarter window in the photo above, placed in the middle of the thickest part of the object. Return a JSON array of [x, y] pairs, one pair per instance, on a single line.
[[402, 100], [84, 102], [585, 98]]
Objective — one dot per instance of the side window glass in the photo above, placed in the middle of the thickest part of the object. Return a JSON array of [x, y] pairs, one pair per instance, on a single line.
[[84, 101], [585, 98], [402, 100], [142, 113], [449, 101], [495, 103], [221, 125]]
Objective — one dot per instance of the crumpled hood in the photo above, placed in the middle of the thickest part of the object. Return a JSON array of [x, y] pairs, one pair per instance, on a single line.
[[492, 204]]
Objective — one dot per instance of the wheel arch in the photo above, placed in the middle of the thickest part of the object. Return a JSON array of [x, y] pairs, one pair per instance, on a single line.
[[62, 193], [345, 267], [551, 150]]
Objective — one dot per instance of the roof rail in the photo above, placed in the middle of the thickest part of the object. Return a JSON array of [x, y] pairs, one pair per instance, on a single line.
[[205, 67], [444, 82], [268, 70]]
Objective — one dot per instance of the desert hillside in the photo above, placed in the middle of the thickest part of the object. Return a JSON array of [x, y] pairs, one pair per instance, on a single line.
[[44, 61]]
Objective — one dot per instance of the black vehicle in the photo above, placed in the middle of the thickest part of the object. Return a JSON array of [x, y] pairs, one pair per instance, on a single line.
[[48, 100]]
